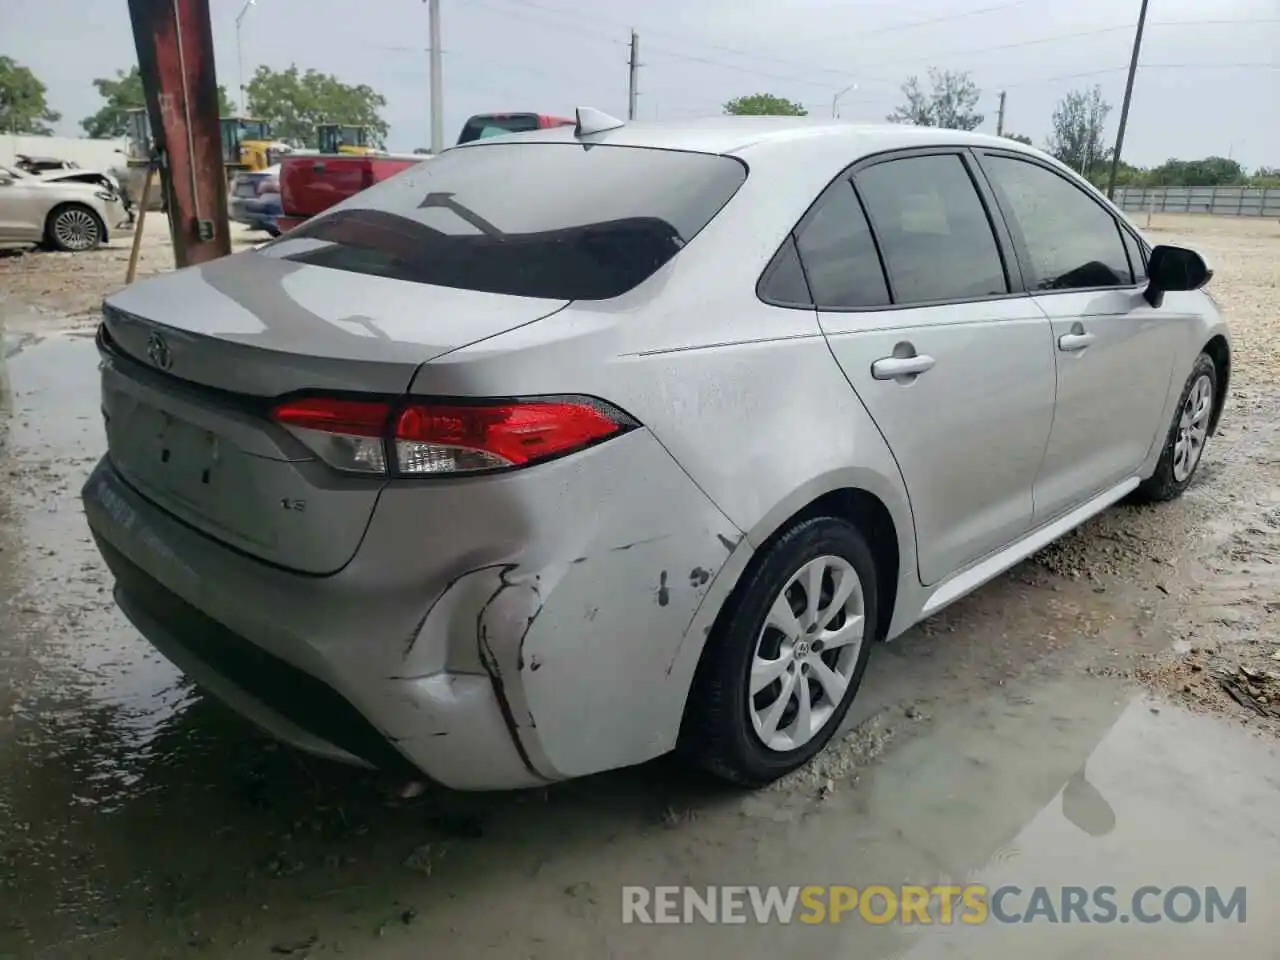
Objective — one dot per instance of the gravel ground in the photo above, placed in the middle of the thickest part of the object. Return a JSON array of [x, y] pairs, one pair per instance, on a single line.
[[1245, 255], [68, 288]]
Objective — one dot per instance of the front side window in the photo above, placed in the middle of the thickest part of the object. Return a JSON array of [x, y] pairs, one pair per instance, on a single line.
[[1073, 242], [933, 229], [1137, 255], [562, 221]]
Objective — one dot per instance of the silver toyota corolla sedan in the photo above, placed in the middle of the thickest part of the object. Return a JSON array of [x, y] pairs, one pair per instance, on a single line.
[[572, 448]]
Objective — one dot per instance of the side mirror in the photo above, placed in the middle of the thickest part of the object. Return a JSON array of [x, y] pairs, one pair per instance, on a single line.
[[1172, 270]]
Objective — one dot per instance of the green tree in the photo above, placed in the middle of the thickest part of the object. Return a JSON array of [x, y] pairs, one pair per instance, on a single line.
[[1207, 172], [23, 108], [294, 102], [1265, 177], [124, 93], [1078, 128], [1019, 138], [764, 105], [949, 103]]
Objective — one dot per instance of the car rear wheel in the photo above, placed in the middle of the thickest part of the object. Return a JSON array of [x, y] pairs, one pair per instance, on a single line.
[[1188, 434], [74, 228], [787, 656]]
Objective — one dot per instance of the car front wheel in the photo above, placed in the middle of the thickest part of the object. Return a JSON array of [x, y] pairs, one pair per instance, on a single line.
[[1188, 434], [74, 228], [785, 661]]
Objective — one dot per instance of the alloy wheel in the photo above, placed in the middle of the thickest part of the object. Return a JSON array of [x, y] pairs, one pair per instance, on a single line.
[[806, 653], [1193, 428]]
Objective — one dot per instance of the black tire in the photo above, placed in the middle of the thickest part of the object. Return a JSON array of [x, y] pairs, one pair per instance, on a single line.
[[1164, 484], [717, 732], [74, 228]]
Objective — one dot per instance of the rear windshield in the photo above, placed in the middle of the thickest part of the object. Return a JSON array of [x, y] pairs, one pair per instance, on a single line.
[[562, 221], [495, 125]]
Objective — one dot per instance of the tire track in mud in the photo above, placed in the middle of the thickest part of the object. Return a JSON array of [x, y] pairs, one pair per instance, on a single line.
[[1225, 620]]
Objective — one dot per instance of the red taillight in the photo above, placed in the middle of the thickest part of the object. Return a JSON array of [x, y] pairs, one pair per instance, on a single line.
[[347, 434], [428, 439]]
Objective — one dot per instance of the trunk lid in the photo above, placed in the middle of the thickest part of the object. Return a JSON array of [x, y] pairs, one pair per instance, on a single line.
[[193, 360]]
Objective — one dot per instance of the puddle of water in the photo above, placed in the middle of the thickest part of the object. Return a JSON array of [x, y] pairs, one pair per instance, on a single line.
[[75, 670]]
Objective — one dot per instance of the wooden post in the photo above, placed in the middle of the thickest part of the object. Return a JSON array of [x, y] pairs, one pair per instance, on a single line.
[[137, 227]]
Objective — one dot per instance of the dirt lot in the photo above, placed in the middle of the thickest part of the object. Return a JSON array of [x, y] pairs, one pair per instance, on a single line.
[[66, 289], [1105, 709]]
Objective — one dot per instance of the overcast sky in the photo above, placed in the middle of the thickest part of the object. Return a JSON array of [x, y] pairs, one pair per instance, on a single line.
[[1201, 89]]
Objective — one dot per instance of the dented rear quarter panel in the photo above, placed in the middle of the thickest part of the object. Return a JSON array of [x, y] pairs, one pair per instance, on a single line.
[[756, 420]]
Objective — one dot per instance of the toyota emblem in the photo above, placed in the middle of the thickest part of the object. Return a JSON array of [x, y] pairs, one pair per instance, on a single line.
[[158, 352]]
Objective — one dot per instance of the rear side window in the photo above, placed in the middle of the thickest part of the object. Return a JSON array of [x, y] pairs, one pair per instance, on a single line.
[[783, 282], [839, 255], [1073, 241], [933, 229], [561, 221]]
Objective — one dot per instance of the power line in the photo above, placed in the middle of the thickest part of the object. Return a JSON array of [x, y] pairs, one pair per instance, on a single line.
[[945, 18], [1076, 35], [808, 79], [1085, 74], [518, 12]]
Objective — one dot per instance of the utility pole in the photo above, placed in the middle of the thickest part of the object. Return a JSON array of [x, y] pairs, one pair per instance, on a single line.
[[1000, 116], [1128, 95], [437, 79], [244, 109], [633, 89]]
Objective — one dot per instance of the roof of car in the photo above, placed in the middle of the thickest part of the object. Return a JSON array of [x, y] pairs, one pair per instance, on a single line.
[[730, 135]]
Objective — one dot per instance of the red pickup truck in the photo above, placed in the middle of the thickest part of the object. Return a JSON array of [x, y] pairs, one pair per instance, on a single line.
[[311, 183]]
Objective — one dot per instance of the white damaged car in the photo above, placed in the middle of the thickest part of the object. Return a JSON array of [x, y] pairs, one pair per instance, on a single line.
[[71, 210]]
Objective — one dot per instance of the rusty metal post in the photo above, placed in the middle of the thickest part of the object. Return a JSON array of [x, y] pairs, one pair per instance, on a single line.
[[174, 39]]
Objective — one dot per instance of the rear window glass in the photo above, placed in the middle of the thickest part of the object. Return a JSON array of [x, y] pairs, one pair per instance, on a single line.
[[561, 221], [482, 126]]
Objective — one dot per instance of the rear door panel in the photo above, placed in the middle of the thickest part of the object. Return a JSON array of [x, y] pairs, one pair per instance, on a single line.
[[969, 434]]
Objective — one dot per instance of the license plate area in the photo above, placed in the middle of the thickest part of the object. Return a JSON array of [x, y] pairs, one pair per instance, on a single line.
[[189, 468], [246, 190]]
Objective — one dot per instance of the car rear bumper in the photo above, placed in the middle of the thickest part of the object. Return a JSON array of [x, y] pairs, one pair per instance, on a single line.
[[495, 633], [447, 726]]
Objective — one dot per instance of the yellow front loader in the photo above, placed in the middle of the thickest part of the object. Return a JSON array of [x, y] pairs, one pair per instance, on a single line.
[[350, 139]]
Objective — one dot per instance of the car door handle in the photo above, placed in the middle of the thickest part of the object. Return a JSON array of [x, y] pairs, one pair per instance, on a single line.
[[890, 368], [1071, 342]]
